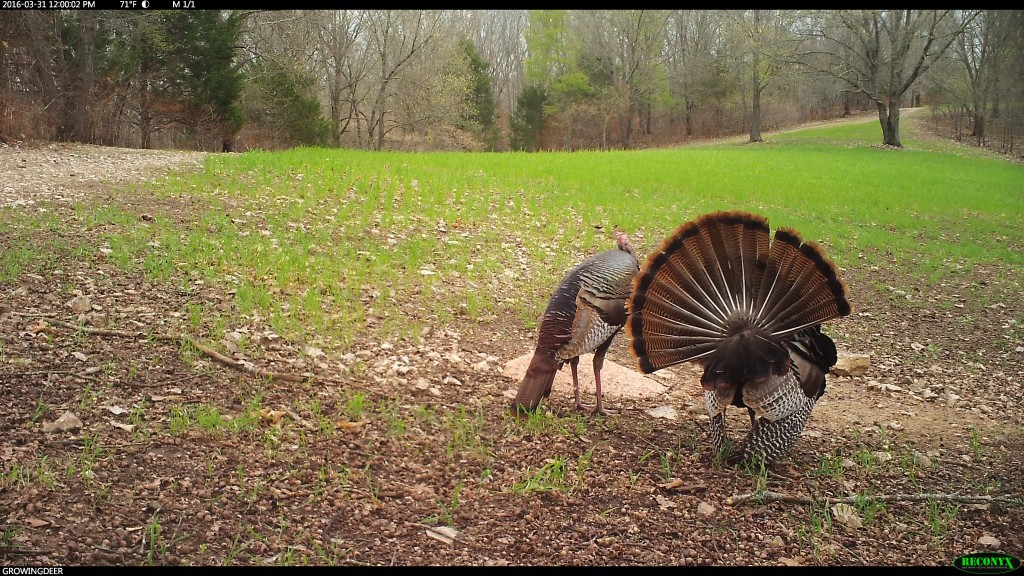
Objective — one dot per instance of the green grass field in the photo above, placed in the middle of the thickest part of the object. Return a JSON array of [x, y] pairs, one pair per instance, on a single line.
[[434, 237]]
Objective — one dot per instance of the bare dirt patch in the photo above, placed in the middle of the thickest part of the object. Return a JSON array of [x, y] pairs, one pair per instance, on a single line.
[[401, 452], [68, 173]]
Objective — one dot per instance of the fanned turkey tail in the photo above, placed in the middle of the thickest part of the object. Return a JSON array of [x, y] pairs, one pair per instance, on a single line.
[[747, 308]]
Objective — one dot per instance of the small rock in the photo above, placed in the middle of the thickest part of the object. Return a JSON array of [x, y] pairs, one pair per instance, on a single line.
[[663, 502], [846, 515], [987, 540], [884, 386], [451, 381], [665, 412], [231, 341], [852, 364], [444, 534], [922, 461], [67, 421], [80, 304], [705, 509]]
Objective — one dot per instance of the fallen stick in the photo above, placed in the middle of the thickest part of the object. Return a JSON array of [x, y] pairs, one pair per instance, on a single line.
[[299, 419], [769, 496], [231, 363]]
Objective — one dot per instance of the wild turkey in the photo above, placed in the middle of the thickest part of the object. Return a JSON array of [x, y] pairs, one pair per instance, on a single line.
[[749, 311], [585, 313]]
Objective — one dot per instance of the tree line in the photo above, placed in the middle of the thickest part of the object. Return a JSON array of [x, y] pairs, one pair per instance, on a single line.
[[500, 79]]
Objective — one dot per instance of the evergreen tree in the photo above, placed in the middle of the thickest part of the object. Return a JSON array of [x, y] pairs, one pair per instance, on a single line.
[[528, 119], [481, 97], [204, 68], [280, 99]]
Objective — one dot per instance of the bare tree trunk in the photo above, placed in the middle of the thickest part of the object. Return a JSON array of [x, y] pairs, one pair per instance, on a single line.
[[889, 117], [627, 137], [335, 102], [755, 112], [145, 114], [377, 128], [755, 100], [689, 116]]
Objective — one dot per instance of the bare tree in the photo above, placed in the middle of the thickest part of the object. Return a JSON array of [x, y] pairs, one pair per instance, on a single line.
[[880, 53], [631, 48], [395, 36], [763, 36], [693, 36], [500, 36], [344, 63], [980, 50]]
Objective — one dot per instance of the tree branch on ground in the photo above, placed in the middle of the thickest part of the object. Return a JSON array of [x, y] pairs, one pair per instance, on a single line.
[[769, 496]]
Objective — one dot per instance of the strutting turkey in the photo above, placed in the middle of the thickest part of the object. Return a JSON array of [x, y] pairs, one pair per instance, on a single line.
[[749, 311], [585, 313]]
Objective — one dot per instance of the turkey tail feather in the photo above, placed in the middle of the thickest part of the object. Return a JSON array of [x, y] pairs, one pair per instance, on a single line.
[[805, 288], [719, 278]]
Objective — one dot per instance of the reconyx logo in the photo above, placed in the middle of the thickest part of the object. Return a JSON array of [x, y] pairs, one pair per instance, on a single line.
[[987, 563]]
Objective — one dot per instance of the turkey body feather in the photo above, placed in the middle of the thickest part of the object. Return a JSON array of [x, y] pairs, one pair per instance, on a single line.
[[748, 308]]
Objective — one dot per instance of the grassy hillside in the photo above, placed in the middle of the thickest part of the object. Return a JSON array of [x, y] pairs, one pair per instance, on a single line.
[[302, 235]]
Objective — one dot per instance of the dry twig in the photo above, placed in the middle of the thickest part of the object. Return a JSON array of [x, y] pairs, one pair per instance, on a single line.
[[182, 338], [769, 496]]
